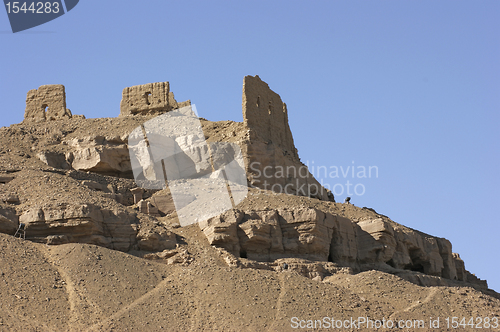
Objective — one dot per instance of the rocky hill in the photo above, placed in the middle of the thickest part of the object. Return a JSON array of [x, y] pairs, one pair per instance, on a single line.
[[102, 253]]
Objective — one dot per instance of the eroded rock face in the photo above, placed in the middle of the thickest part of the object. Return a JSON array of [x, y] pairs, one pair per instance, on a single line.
[[8, 219], [46, 103], [100, 155], [86, 223], [344, 245], [307, 233], [269, 234], [420, 252], [316, 270], [311, 234], [149, 98], [271, 159], [376, 242], [460, 265], [222, 230]]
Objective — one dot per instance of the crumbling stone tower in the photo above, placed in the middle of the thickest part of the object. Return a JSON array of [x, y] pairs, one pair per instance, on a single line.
[[266, 114], [149, 98], [271, 159], [46, 103]]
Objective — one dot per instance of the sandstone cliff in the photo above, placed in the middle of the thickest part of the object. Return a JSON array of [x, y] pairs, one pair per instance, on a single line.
[[317, 234]]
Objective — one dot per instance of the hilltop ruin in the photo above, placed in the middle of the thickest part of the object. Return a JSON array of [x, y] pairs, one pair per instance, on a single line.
[[69, 180]]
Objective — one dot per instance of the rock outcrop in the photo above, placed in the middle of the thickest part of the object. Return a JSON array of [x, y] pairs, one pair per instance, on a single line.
[[46, 103], [308, 233], [103, 155], [271, 159], [149, 98], [8, 219], [268, 235], [98, 154], [154, 238], [64, 223]]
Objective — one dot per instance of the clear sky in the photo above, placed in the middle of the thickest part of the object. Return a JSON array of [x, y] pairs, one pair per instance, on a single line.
[[411, 87]]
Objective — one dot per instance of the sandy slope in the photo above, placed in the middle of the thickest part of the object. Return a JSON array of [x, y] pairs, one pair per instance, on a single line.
[[79, 287]]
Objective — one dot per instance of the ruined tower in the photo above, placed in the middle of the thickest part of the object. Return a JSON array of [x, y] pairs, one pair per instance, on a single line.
[[48, 102]]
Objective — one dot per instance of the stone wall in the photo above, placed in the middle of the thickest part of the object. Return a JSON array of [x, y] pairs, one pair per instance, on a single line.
[[46, 103], [149, 98]]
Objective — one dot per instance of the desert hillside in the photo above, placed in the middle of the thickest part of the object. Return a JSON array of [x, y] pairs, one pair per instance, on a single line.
[[106, 242]]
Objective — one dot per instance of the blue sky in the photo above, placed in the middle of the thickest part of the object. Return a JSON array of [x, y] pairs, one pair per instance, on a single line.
[[411, 87]]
